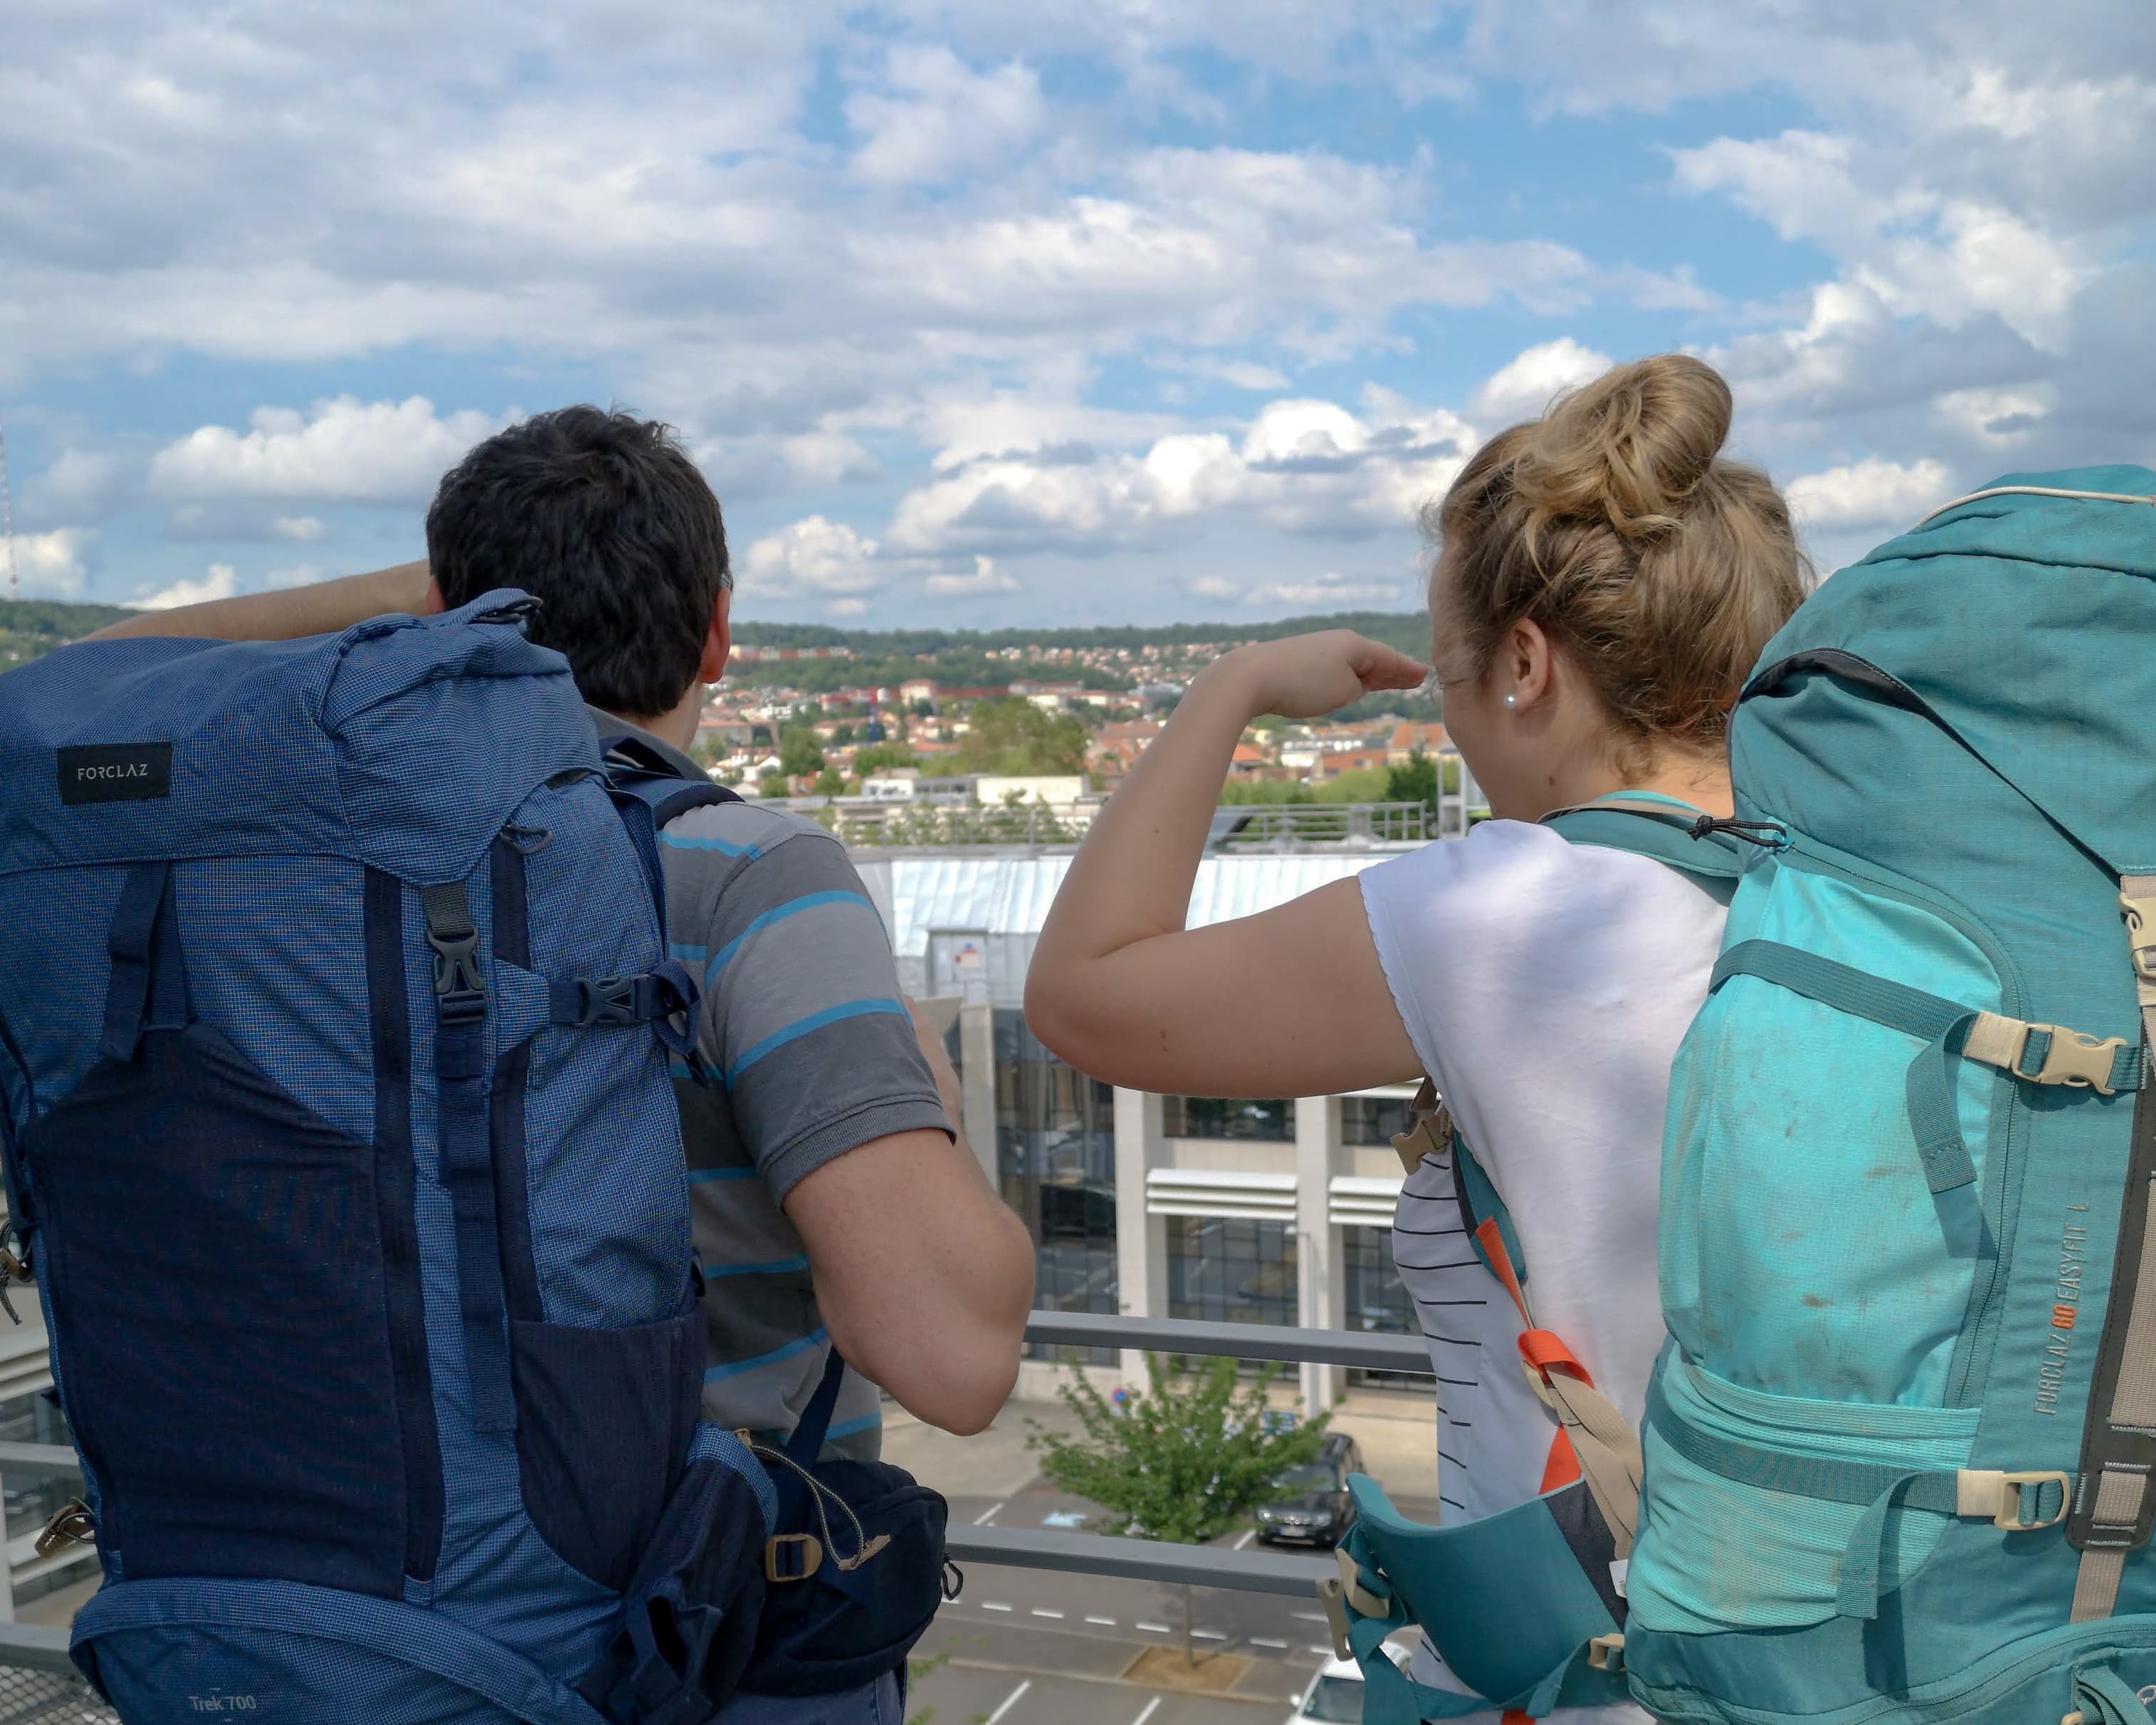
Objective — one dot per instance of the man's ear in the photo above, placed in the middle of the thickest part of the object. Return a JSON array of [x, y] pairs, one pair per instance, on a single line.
[[434, 604], [718, 638]]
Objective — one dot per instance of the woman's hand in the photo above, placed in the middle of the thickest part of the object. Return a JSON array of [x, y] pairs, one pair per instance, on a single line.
[[1305, 676]]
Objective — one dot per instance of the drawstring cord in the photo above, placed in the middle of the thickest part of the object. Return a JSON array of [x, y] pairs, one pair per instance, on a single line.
[[864, 1546], [1768, 834]]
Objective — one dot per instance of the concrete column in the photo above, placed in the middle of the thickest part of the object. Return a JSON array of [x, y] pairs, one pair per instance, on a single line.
[[977, 1083], [1321, 1303], [1140, 1240]]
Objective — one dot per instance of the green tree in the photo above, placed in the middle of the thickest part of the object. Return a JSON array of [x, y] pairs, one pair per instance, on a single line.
[[1014, 736], [1189, 1459], [1414, 782], [830, 783], [799, 753], [879, 756], [772, 784], [841, 734]]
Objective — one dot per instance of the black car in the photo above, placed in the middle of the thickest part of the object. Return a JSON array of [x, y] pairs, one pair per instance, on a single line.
[[1313, 1507]]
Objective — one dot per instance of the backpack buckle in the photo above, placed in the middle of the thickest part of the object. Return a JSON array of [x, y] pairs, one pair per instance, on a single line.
[[792, 1556], [2141, 933], [1997, 1494], [1606, 1653], [2073, 1058]]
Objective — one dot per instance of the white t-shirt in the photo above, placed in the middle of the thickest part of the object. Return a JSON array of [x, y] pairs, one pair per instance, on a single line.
[[1545, 986]]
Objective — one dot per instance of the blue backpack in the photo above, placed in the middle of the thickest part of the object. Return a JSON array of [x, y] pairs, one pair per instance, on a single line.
[[335, 1017], [1525, 1607], [1899, 1451]]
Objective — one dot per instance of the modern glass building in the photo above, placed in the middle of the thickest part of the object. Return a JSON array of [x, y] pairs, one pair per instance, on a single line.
[[1271, 1210]]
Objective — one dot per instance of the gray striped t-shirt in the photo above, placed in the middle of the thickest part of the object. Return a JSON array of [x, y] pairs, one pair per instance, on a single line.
[[811, 1056]]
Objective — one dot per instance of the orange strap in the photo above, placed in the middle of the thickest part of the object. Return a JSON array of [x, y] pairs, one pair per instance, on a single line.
[[1491, 1239], [1546, 1353], [1541, 1349]]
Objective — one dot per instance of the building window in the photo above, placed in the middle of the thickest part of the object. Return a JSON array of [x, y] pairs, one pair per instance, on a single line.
[[1376, 1299], [1374, 1119], [1228, 1117], [1225, 1270], [1056, 1157]]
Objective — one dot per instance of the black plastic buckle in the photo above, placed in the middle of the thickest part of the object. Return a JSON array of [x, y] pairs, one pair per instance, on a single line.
[[614, 1000], [459, 994]]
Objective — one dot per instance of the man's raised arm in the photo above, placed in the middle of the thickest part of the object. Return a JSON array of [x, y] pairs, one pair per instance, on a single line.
[[287, 613]]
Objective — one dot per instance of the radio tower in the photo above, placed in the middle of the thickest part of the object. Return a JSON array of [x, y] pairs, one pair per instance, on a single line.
[[8, 523]]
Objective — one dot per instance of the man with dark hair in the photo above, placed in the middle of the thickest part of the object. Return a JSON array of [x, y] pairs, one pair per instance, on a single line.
[[835, 1202]]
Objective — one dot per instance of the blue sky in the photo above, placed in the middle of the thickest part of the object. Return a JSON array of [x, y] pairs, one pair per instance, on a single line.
[[1083, 310]]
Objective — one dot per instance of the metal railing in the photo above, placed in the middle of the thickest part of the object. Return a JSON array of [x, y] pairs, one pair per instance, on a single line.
[[38, 1648], [1239, 827]]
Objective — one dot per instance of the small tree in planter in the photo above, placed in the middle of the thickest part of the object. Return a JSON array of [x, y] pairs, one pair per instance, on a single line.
[[1185, 1460]]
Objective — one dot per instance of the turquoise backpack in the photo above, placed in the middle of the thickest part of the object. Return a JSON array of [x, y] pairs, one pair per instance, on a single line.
[[1525, 1607], [1898, 1449]]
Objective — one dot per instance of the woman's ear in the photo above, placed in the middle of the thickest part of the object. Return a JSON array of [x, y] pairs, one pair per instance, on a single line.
[[1528, 657]]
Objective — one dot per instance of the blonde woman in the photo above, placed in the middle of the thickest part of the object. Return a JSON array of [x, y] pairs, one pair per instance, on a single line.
[[1604, 579]]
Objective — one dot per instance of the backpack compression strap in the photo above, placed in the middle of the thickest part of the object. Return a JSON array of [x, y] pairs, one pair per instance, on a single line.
[[2114, 1505]]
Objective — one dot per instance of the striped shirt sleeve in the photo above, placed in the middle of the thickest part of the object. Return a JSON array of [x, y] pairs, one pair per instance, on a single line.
[[803, 1019]]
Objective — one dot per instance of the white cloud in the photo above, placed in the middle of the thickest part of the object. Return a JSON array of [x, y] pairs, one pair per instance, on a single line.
[[1869, 493], [986, 578], [817, 556], [51, 563], [305, 528], [936, 117], [1333, 591], [343, 450], [1524, 386], [220, 581], [1303, 466]]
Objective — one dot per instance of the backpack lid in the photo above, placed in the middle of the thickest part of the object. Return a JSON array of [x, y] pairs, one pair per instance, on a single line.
[[403, 743], [1650, 825], [2023, 623]]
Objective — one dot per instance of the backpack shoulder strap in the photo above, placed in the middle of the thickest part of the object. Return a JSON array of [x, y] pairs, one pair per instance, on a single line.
[[633, 766], [1648, 824]]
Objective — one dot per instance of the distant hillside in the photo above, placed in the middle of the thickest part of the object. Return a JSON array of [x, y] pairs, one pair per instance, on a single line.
[[30, 628], [1408, 630]]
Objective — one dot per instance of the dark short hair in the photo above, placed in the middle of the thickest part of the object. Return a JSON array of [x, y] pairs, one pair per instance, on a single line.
[[605, 519]]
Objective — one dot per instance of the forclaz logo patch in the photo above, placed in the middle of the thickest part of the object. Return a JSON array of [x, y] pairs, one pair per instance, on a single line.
[[2066, 1308], [116, 772]]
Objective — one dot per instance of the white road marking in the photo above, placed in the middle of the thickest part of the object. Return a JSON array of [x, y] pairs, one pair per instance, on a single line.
[[1104, 1622], [1248, 1536], [1057, 1616], [1209, 1634], [986, 1516], [1260, 1641], [1154, 1629], [1151, 1707], [1010, 1701], [1314, 1648], [1309, 1616], [991, 1606]]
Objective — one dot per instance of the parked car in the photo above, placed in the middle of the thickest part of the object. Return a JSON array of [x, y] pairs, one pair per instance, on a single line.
[[1335, 1694], [1313, 1506]]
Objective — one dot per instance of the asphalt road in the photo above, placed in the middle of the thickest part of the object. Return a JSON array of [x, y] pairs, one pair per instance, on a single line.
[[1035, 1647]]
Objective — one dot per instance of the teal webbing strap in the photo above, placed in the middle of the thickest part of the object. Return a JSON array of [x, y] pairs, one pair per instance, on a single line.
[[1941, 1024], [1616, 823], [2104, 1697], [1880, 1486]]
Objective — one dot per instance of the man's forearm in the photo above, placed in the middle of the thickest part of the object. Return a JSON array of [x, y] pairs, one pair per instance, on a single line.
[[288, 613]]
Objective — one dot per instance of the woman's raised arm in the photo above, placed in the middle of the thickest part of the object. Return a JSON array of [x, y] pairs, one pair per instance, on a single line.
[[1292, 1001]]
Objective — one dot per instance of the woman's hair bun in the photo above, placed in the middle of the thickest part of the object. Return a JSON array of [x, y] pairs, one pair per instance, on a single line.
[[1629, 448]]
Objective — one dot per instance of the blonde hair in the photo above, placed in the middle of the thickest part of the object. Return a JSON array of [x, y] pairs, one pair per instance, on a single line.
[[1613, 523]]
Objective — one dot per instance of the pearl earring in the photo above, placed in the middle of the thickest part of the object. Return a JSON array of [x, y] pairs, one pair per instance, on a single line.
[[1511, 701]]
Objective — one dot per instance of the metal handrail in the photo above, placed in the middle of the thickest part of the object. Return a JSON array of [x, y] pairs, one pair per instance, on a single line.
[[1371, 1351]]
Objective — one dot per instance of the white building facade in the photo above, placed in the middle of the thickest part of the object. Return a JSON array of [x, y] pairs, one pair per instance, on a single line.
[[1275, 1210]]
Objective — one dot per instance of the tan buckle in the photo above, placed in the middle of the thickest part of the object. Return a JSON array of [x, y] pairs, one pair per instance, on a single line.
[[1606, 1653], [2141, 933], [1336, 1615], [812, 1556], [1989, 1491], [2072, 1058], [72, 1524], [1365, 1603]]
